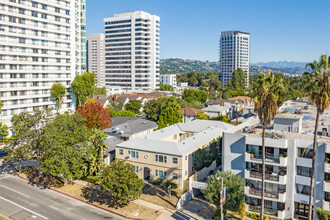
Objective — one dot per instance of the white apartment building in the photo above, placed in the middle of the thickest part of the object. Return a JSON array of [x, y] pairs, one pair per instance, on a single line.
[[41, 42], [289, 144], [168, 79], [96, 59], [132, 50], [234, 54]]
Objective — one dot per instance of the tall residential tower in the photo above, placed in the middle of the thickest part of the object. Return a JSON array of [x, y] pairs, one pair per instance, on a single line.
[[41, 42], [95, 48], [234, 54], [132, 51]]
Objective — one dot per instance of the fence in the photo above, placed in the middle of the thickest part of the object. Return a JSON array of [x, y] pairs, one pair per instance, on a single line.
[[184, 199]]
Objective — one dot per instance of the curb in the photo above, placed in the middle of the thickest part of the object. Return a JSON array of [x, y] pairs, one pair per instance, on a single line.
[[73, 197]]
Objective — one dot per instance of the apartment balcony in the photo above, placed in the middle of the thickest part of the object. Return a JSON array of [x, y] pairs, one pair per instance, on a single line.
[[279, 196], [270, 212], [303, 180], [272, 178], [305, 162], [327, 167], [281, 161], [326, 205], [301, 198], [326, 186]]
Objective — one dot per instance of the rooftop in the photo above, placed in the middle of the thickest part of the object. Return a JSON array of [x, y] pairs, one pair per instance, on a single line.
[[190, 111]]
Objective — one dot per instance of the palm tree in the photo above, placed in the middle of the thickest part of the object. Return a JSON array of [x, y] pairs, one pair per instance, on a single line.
[[266, 90], [97, 139], [318, 89]]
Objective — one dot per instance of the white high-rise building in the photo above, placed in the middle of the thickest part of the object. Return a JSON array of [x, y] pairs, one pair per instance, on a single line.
[[96, 57], [132, 51], [168, 79], [234, 54], [41, 42]]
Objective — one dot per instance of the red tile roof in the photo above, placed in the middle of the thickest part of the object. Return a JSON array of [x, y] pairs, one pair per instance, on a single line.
[[190, 111]]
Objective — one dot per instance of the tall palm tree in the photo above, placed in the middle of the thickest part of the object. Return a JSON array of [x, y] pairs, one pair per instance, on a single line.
[[266, 90], [318, 85]]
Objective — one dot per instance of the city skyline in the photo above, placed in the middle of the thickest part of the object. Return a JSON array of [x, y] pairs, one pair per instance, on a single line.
[[279, 30]]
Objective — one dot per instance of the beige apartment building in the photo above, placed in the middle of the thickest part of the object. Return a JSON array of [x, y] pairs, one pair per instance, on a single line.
[[168, 153]]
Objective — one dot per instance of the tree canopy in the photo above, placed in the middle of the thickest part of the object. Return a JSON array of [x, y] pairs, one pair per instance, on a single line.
[[133, 106], [95, 115], [190, 95], [121, 181], [234, 190], [100, 91], [238, 80], [124, 113], [202, 116], [164, 87], [84, 87], [58, 92]]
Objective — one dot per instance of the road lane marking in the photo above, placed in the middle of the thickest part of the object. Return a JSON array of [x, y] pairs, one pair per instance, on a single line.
[[54, 208], [15, 191], [23, 207], [5, 217]]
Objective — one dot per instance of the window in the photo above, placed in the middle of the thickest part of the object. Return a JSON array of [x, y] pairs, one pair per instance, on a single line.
[[44, 16], [21, 11], [175, 176], [175, 160], [304, 171], [44, 7], [57, 10], [121, 152], [186, 157], [161, 173], [136, 169], [186, 173], [34, 4], [34, 14], [133, 154], [57, 18], [161, 158]]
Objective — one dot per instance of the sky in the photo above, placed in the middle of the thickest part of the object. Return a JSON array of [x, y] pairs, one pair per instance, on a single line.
[[291, 30]]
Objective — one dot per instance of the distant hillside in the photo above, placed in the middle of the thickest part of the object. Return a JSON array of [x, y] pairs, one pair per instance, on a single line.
[[184, 66], [281, 64]]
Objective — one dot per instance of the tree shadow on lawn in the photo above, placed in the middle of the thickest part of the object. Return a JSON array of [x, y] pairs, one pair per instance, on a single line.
[[44, 180], [92, 195]]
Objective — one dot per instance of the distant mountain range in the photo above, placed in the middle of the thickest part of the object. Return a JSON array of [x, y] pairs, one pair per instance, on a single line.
[[175, 65]]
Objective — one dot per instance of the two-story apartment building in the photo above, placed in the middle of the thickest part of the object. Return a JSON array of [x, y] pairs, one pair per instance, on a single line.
[[289, 144], [168, 153]]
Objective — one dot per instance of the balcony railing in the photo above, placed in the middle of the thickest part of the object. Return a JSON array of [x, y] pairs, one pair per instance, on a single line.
[[266, 211], [271, 177], [272, 195]]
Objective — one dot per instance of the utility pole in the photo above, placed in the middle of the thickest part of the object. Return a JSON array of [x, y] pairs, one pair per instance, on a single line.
[[221, 203]]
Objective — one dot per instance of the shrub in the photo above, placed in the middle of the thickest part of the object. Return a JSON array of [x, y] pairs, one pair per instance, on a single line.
[[242, 211], [253, 216], [169, 183], [322, 214], [157, 181], [92, 179]]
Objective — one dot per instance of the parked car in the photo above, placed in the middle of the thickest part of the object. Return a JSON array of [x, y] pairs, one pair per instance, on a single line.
[[3, 153]]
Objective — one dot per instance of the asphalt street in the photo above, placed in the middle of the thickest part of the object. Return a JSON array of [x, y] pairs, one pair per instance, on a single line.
[[20, 200]]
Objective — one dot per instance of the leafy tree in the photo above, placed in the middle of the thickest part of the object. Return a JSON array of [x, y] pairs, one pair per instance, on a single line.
[[95, 115], [190, 95], [116, 106], [84, 86], [124, 113], [234, 190], [318, 86], [164, 87], [28, 127], [152, 108], [134, 106], [267, 90], [193, 104], [223, 118], [238, 79], [121, 181], [98, 145], [65, 142], [199, 159], [322, 214], [58, 93], [192, 78], [100, 91], [202, 116], [4, 131]]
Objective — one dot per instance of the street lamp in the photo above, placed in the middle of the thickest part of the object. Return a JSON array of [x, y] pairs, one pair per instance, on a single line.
[[221, 192]]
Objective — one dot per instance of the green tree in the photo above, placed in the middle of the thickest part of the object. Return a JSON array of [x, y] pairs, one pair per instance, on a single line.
[[4, 131], [190, 95], [164, 87], [28, 127], [98, 145], [202, 116], [238, 80], [267, 89], [318, 85], [121, 181], [66, 146], [192, 78], [124, 113], [322, 214], [170, 113], [84, 87], [234, 190], [134, 106], [58, 93], [100, 91]]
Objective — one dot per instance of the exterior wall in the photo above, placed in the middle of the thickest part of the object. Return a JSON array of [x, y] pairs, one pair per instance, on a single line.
[[96, 57], [168, 79], [132, 51], [142, 133], [289, 125], [38, 47], [234, 54], [147, 159]]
